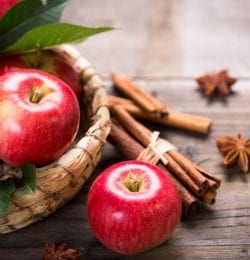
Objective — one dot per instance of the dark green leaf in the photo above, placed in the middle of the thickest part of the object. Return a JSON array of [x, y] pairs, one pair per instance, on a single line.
[[51, 35], [7, 188], [28, 181], [26, 15]]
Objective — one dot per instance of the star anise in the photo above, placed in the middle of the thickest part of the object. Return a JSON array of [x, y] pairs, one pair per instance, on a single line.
[[60, 252], [218, 83], [236, 150]]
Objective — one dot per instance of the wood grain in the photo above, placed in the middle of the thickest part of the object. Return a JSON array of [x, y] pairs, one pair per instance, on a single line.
[[174, 38], [163, 45]]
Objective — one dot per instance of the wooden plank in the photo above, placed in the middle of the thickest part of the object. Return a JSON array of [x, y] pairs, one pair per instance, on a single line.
[[166, 38], [163, 252]]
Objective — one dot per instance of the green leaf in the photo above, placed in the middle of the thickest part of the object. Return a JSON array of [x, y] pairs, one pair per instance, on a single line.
[[51, 35], [7, 188], [28, 181], [26, 15]]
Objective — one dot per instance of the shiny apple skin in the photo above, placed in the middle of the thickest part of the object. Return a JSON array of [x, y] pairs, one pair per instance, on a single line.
[[47, 61], [132, 222], [40, 132]]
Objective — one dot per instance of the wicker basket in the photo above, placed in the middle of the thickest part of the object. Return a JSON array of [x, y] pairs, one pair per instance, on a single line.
[[59, 182]]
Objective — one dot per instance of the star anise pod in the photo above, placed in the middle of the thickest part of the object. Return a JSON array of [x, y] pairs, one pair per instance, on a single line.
[[60, 252], [216, 83], [236, 150]]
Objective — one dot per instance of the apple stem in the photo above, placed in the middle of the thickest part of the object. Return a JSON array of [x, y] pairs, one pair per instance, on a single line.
[[133, 182], [36, 95], [37, 56]]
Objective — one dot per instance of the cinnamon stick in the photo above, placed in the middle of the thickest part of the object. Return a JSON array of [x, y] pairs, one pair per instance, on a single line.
[[182, 176], [180, 166], [131, 149], [189, 202], [124, 143], [140, 132], [185, 121], [213, 185], [188, 166], [114, 100], [138, 95], [214, 182], [209, 197]]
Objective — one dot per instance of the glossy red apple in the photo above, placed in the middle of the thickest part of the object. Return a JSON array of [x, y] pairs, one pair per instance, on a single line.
[[133, 206], [39, 117], [47, 61], [5, 5]]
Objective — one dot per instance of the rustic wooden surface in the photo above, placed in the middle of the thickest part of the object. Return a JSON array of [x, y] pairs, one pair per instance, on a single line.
[[164, 45]]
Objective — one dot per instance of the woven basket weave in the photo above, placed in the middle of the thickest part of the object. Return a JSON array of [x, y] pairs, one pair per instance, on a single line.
[[59, 182]]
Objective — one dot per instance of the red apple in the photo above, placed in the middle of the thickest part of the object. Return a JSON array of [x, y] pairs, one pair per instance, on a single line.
[[133, 206], [5, 5], [47, 61], [8, 63], [39, 117]]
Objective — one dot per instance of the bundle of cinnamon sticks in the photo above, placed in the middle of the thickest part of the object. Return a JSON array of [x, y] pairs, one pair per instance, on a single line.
[[131, 138], [144, 106]]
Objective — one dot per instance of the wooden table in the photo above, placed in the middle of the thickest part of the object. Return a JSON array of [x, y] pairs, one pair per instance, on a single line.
[[164, 45]]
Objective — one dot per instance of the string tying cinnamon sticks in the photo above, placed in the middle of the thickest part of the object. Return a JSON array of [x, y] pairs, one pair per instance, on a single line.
[[198, 181], [156, 149], [143, 105]]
